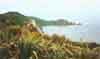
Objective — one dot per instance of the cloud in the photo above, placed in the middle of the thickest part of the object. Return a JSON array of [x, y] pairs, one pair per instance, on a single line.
[[7, 2], [48, 7]]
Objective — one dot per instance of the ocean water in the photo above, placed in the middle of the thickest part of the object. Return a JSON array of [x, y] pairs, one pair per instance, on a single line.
[[74, 32], [86, 32]]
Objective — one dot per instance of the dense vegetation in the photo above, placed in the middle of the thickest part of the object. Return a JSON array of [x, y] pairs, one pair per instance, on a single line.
[[20, 39], [58, 22]]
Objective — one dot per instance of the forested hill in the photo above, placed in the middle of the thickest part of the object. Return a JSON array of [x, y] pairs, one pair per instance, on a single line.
[[12, 18], [58, 22], [18, 19]]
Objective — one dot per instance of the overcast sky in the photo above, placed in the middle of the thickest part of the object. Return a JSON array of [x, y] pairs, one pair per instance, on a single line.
[[50, 9]]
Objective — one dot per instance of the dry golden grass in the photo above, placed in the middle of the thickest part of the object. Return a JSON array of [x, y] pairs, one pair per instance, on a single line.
[[34, 45]]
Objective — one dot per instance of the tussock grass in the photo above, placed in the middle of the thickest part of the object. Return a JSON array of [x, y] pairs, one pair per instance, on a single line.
[[25, 44]]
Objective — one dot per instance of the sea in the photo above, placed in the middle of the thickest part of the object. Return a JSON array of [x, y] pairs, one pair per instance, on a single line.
[[84, 32]]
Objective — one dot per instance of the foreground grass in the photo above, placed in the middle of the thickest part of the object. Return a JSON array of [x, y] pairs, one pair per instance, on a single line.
[[21, 43]]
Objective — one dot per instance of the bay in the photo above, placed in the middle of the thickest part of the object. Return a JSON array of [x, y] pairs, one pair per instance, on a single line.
[[75, 33]]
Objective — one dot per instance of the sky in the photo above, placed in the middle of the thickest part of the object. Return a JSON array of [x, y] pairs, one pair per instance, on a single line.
[[52, 9], [85, 11]]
